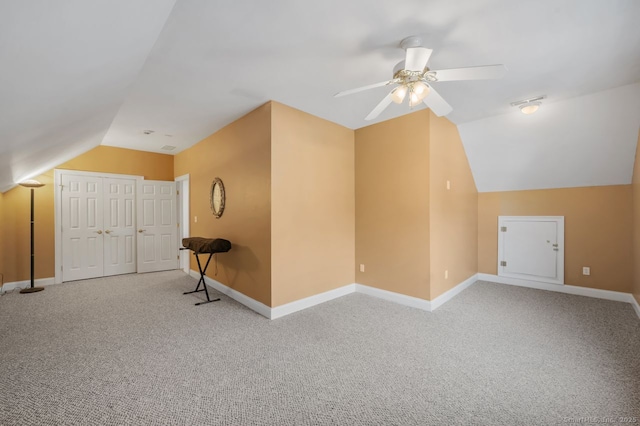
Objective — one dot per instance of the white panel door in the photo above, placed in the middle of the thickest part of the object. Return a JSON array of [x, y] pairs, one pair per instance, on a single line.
[[532, 248], [82, 233], [157, 226], [119, 226]]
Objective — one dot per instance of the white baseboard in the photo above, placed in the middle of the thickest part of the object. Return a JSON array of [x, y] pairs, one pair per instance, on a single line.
[[307, 302], [450, 294], [401, 299], [40, 282], [568, 289], [247, 301], [636, 305]]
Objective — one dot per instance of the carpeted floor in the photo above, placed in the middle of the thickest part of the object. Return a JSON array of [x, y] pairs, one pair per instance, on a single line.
[[134, 350]]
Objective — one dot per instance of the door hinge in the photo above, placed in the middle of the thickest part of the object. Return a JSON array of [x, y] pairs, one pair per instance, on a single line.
[[503, 229], [503, 263], [178, 224], [178, 192]]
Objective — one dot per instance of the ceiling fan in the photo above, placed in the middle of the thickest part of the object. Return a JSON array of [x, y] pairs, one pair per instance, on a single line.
[[412, 77]]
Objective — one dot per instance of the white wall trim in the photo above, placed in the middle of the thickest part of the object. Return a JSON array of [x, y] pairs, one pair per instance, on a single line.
[[40, 282], [57, 211], [401, 299], [568, 289], [185, 214], [307, 302], [450, 294], [635, 305], [241, 298]]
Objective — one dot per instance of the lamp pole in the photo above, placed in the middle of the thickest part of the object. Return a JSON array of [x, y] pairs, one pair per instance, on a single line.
[[32, 184]]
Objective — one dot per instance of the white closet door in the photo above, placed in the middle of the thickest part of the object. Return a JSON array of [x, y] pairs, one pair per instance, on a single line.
[[82, 232], [119, 226], [157, 226]]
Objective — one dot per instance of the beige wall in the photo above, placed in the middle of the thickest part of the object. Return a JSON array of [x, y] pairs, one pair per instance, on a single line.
[[453, 212], [392, 204], [636, 223], [598, 221], [16, 206], [240, 155], [312, 205]]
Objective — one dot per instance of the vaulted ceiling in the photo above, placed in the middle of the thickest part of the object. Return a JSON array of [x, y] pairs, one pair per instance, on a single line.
[[76, 74]]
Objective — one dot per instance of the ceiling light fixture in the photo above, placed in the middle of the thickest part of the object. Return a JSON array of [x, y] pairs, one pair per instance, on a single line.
[[529, 106], [398, 94]]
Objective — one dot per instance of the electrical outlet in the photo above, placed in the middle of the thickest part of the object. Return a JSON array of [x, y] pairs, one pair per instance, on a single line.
[[362, 267], [448, 184], [446, 274], [586, 270], [195, 219]]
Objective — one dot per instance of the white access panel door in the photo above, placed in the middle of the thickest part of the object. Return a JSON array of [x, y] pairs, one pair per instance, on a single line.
[[157, 226], [531, 248], [82, 233], [119, 226]]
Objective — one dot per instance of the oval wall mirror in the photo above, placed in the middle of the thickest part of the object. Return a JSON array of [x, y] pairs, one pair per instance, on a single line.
[[217, 197]]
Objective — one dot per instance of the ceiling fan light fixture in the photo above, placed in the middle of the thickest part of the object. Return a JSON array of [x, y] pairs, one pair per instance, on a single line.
[[529, 107], [398, 94], [414, 99], [421, 89]]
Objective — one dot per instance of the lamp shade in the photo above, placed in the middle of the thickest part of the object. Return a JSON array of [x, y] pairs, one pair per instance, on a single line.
[[31, 184], [398, 94]]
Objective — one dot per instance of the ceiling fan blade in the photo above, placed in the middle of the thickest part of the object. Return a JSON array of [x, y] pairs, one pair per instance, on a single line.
[[363, 88], [417, 58], [384, 103], [486, 72], [435, 102]]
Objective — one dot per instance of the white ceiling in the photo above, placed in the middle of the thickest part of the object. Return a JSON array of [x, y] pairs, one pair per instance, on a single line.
[[66, 69], [81, 73], [584, 141]]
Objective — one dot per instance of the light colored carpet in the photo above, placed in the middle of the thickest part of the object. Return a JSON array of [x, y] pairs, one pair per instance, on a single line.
[[134, 350]]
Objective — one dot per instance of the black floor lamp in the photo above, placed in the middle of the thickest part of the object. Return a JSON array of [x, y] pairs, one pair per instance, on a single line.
[[32, 184]]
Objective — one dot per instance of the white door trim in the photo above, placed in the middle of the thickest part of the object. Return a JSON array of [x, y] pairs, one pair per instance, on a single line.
[[559, 220], [184, 219], [57, 210]]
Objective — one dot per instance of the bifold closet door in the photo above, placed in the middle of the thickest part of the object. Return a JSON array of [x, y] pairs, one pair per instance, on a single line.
[[82, 232], [157, 226], [98, 226], [119, 226]]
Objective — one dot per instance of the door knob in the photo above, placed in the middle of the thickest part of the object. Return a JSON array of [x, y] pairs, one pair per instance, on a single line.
[[107, 231], [99, 232], [140, 231]]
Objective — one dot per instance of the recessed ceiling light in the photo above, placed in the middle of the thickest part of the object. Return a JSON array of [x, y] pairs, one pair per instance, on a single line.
[[168, 147], [148, 132]]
